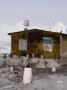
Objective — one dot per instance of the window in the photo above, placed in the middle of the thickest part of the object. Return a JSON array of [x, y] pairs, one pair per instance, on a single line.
[[47, 44], [23, 44]]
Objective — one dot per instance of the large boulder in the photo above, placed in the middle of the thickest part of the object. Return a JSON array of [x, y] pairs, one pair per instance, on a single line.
[[13, 61]]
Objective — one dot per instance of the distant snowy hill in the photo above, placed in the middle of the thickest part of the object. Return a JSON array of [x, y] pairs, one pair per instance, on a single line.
[[58, 27], [5, 40]]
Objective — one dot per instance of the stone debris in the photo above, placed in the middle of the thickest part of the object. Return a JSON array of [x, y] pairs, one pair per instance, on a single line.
[[4, 70], [13, 61], [52, 63], [41, 64], [41, 81], [35, 60], [24, 60], [12, 78]]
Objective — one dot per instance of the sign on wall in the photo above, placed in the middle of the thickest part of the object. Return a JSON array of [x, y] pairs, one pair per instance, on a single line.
[[47, 44], [23, 44]]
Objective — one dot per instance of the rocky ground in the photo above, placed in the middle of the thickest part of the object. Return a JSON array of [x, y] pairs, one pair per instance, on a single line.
[[43, 79]]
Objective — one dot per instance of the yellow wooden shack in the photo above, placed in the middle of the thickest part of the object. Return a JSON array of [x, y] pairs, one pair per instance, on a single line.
[[38, 42]]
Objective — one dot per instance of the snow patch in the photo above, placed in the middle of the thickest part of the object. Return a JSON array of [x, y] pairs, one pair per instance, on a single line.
[[59, 27]]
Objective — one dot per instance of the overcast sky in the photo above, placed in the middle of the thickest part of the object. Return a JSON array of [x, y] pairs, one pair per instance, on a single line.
[[38, 12]]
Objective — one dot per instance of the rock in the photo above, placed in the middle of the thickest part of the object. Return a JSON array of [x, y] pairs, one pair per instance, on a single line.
[[25, 59], [13, 61], [52, 63], [40, 64]]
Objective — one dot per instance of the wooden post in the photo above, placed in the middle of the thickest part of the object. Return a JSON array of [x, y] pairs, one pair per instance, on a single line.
[[61, 44]]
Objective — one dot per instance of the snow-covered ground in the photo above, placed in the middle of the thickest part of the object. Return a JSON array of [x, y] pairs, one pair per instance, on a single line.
[[43, 81]]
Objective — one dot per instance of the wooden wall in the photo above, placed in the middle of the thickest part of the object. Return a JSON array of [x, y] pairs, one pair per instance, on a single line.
[[15, 43], [35, 44], [63, 44]]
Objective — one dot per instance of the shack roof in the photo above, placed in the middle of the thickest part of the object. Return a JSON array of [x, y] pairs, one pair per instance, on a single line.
[[31, 30]]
